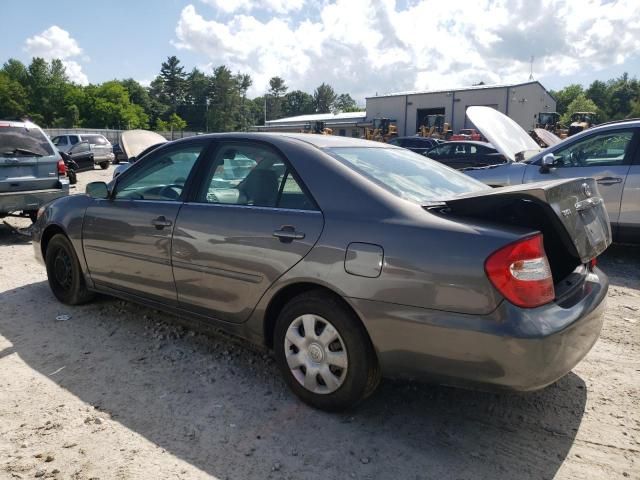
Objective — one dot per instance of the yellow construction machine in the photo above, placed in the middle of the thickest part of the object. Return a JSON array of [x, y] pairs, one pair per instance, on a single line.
[[435, 127], [581, 121], [380, 130]]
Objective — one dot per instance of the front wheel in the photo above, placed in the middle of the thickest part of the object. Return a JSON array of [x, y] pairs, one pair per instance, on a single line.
[[64, 273], [104, 165], [324, 352], [73, 179]]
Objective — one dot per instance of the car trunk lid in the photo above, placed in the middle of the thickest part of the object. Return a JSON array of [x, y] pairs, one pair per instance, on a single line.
[[570, 214]]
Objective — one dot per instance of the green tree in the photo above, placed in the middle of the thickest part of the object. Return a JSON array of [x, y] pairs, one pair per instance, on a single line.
[[277, 88], [599, 93], [565, 96], [225, 100], [244, 83], [579, 104], [324, 98], [13, 98], [345, 103], [172, 82], [16, 71], [297, 102]]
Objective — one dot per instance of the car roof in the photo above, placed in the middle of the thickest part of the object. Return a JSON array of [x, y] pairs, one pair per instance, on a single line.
[[319, 141], [416, 137], [14, 123]]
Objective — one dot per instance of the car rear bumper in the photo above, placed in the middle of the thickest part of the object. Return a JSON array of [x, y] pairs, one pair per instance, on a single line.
[[31, 200], [513, 348]]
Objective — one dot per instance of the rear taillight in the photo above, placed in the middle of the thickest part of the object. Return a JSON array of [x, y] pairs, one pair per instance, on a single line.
[[521, 273], [592, 263], [62, 168]]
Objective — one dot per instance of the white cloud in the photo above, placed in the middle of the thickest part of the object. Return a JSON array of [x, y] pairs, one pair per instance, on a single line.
[[278, 6], [54, 42], [368, 46]]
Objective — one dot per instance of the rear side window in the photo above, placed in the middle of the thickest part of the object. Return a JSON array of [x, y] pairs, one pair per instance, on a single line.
[[252, 174], [95, 139], [23, 141], [73, 139]]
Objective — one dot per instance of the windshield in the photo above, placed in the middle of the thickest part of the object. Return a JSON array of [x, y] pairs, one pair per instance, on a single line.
[[407, 174], [23, 141]]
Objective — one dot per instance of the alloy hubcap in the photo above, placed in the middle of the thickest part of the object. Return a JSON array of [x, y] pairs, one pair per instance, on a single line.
[[316, 354]]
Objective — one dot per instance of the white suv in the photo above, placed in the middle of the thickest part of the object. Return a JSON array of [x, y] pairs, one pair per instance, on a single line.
[[102, 149]]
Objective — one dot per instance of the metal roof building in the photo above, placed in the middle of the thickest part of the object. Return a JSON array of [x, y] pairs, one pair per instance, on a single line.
[[343, 124], [520, 101]]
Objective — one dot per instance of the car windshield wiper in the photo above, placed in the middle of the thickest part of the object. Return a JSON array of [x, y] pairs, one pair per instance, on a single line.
[[21, 151]]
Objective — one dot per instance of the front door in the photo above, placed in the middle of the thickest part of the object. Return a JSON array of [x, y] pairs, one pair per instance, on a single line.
[[127, 238], [605, 156], [249, 223]]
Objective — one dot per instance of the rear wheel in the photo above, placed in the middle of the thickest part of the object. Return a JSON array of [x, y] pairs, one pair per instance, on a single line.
[[324, 352], [73, 179], [64, 273], [104, 165]]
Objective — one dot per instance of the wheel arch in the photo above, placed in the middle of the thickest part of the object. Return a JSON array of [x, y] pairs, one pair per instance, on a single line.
[[47, 235], [288, 292]]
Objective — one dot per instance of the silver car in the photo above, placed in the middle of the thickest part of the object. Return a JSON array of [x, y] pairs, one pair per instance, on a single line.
[[350, 259], [101, 147], [609, 153]]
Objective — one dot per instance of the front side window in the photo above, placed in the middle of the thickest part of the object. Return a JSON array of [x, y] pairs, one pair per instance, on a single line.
[[598, 150], [58, 141], [252, 174], [407, 174], [73, 139], [160, 177]]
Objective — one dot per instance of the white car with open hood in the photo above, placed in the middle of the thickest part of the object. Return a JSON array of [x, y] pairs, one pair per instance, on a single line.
[[610, 153]]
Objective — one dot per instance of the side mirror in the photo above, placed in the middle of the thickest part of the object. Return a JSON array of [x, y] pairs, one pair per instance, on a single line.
[[547, 163], [97, 190]]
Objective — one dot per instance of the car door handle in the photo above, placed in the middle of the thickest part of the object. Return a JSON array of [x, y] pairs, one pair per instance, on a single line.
[[608, 180], [287, 233], [161, 222]]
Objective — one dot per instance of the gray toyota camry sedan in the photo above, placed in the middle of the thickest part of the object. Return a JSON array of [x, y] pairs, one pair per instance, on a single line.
[[351, 260]]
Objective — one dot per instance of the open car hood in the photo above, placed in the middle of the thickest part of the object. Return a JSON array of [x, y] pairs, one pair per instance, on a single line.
[[132, 142], [506, 135], [547, 137]]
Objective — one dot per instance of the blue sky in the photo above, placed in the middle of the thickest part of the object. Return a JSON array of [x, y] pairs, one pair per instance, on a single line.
[[358, 46]]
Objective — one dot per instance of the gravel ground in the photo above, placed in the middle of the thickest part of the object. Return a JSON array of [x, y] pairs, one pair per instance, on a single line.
[[121, 391]]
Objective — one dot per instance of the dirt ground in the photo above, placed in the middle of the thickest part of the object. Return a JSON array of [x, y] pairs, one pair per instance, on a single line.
[[119, 391]]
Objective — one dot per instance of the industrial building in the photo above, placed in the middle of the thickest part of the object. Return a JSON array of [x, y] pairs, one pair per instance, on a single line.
[[343, 124], [521, 101]]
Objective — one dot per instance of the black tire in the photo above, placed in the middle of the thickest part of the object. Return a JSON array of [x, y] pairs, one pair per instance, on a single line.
[[73, 178], [362, 374], [104, 165], [64, 273]]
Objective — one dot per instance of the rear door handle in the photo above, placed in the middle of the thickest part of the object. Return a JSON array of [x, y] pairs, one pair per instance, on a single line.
[[608, 180], [287, 233], [161, 222]]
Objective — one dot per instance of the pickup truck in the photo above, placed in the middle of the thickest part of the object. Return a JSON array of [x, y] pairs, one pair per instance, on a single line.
[[32, 172]]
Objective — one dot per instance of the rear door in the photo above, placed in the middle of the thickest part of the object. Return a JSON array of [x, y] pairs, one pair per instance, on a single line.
[[127, 238], [83, 156], [28, 160], [251, 221], [605, 156]]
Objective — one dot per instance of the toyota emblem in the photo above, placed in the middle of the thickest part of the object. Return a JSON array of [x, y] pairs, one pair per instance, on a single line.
[[586, 189]]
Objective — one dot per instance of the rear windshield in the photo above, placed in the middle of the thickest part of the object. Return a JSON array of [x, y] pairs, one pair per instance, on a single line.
[[23, 142], [95, 139], [407, 174]]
